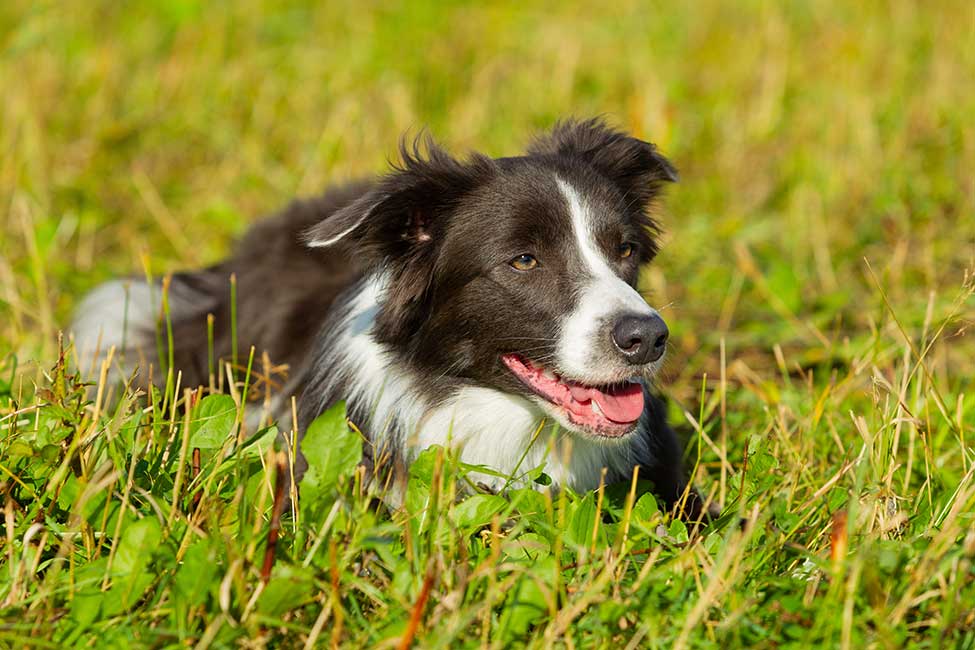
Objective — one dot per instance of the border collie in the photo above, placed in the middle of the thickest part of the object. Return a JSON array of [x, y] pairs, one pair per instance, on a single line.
[[487, 305]]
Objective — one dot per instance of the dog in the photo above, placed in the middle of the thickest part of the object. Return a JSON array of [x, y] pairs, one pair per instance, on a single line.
[[484, 304]]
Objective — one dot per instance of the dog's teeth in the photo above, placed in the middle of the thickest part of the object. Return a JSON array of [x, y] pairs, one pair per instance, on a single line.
[[595, 408], [548, 374]]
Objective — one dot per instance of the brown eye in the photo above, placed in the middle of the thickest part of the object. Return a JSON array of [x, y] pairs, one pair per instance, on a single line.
[[524, 262], [625, 250]]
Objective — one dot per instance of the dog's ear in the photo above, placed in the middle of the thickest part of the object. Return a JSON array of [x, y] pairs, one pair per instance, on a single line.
[[404, 211], [400, 224], [635, 166]]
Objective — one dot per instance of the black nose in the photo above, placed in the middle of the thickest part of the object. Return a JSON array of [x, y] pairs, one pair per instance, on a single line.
[[641, 339]]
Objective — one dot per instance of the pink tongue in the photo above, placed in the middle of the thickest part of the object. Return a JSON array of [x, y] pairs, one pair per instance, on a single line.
[[623, 404]]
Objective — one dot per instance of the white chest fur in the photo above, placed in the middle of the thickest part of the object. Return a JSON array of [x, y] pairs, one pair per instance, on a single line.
[[505, 432]]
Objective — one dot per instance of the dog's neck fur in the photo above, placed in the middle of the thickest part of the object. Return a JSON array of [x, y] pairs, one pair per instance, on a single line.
[[505, 432]]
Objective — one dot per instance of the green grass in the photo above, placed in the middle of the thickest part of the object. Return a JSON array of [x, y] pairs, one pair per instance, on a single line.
[[817, 272]]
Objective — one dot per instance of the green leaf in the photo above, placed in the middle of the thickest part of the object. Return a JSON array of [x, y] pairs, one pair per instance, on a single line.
[[131, 576], [760, 472], [70, 491], [214, 420], [529, 503], [19, 449], [126, 593], [129, 431], [289, 588], [582, 522], [197, 573], [542, 479], [645, 508], [51, 454], [138, 542], [421, 469], [838, 498], [418, 486], [526, 604], [477, 511], [678, 531], [528, 547], [332, 450], [259, 443], [86, 606]]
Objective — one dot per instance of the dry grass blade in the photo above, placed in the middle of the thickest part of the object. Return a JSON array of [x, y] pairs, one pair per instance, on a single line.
[[280, 493], [416, 614]]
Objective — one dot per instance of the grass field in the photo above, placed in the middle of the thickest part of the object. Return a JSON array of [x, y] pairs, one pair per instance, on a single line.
[[818, 273]]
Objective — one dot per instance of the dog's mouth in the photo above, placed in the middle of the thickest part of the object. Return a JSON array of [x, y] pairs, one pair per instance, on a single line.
[[610, 411]]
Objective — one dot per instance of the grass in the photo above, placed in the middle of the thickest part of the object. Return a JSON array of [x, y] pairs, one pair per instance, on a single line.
[[818, 277]]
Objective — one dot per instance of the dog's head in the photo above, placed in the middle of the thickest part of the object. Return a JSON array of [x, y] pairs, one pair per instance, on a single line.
[[518, 273]]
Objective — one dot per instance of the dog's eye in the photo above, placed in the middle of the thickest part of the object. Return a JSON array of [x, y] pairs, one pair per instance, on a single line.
[[625, 250], [524, 262]]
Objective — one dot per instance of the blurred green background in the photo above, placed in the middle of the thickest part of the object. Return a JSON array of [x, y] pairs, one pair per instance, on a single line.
[[810, 136], [818, 275]]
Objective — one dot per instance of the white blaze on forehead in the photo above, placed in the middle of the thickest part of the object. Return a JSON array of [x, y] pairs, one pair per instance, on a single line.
[[585, 330]]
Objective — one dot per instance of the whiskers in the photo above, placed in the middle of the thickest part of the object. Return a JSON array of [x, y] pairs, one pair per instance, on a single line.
[[533, 349], [550, 339], [542, 353]]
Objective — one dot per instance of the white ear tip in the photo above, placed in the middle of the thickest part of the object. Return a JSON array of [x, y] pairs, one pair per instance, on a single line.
[[320, 243], [325, 243], [314, 242]]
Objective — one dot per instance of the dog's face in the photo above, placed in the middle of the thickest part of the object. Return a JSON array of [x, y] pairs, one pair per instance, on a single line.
[[518, 273]]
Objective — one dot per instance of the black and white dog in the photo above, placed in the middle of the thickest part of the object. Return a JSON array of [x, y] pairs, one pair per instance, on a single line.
[[468, 303]]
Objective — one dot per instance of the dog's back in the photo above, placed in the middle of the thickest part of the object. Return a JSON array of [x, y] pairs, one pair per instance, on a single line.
[[283, 293]]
